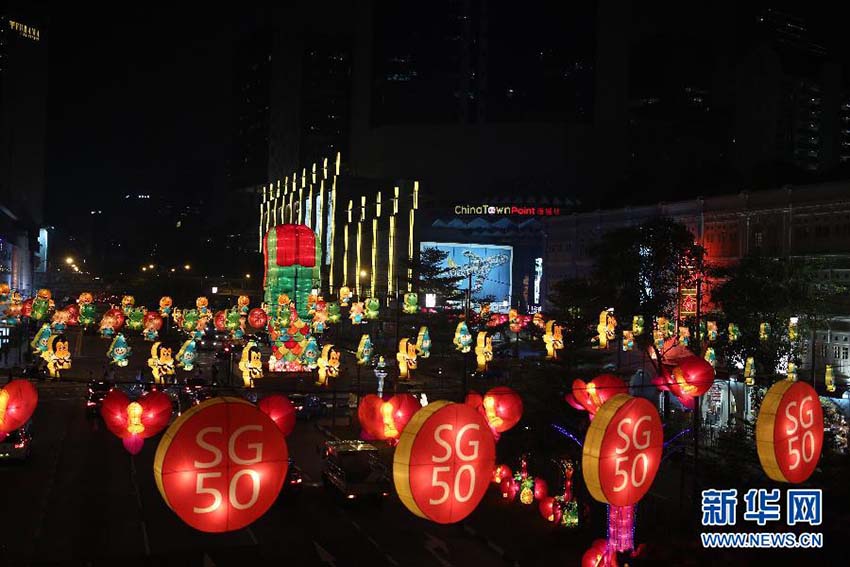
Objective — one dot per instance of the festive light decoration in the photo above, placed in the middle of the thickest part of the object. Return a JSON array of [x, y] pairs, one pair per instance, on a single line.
[[514, 322], [234, 321], [292, 258], [289, 351], [443, 462], [637, 325], [257, 318], [483, 350], [666, 326], [525, 482], [628, 341], [553, 338], [135, 318], [111, 322], [693, 376], [372, 307], [328, 365], [411, 303], [789, 431], [73, 311], [792, 328], [423, 342], [41, 304], [161, 362], [538, 320], [764, 331], [133, 422], [502, 472], [221, 465], [26, 307], [4, 292], [39, 341], [380, 372], [590, 396], [165, 306], [502, 408], [711, 356], [18, 400], [152, 324], [334, 315], [57, 355], [59, 321], [598, 555], [791, 373], [203, 306], [406, 357], [711, 327], [385, 420], [187, 355], [462, 339], [829, 379], [734, 332], [509, 488], [622, 450], [310, 355], [220, 320], [564, 507], [127, 304], [15, 308], [621, 528], [750, 371], [684, 336], [484, 314], [606, 329], [356, 314], [119, 351], [243, 302], [320, 317], [365, 350], [251, 364], [345, 295], [281, 410]]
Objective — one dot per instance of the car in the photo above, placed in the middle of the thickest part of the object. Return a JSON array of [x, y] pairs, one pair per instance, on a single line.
[[225, 349], [294, 480], [354, 470], [96, 392], [307, 406], [197, 390], [17, 445]]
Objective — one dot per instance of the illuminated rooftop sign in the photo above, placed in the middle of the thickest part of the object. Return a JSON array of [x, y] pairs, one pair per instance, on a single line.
[[507, 210], [24, 30]]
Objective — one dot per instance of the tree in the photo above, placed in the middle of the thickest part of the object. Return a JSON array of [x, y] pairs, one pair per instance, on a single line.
[[575, 304], [432, 277]]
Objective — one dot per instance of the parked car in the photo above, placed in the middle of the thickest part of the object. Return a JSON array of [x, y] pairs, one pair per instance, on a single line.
[[17, 446], [353, 469], [307, 406], [96, 392]]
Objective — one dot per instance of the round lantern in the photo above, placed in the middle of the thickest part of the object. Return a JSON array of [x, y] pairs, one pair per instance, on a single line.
[[220, 320], [117, 316], [502, 472], [443, 463], [789, 431], [281, 410], [622, 450], [549, 509], [257, 318], [541, 489], [26, 307], [384, 420], [133, 422], [73, 314], [597, 555], [18, 399], [152, 320], [509, 488], [221, 465], [694, 375], [502, 407]]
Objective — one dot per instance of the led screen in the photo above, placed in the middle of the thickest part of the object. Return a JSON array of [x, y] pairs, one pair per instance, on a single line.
[[488, 264]]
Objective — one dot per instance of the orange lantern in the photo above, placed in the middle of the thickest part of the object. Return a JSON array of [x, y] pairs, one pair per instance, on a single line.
[[502, 408]]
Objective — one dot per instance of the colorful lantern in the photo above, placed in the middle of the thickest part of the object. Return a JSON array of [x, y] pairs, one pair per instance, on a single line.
[[119, 351], [764, 331], [711, 327], [509, 488], [281, 410], [73, 311], [502, 407], [18, 400], [220, 320], [791, 373], [41, 304], [26, 307], [334, 315], [133, 422], [59, 321], [628, 341], [310, 354], [411, 303], [553, 339], [538, 320], [161, 362], [135, 318], [693, 376], [598, 555], [684, 336], [750, 371], [257, 318], [203, 304], [320, 317], [622, 450], [734, 332], [385, 420], [39, 341], [423, 342], [57, 355], [502, 472], [345, 295], [372, 307], [789, 431], [666, 326], [127, 303], [590, 396], [356, 314], [637, 325], [15, 308], [364, 350], [483, 350], [111, 322], [463, 339], [484, 314], [606, 329], [380, 372], [711, 356], [189, 320], [4, 292], [406, 357], [243, 302], [221, 465], [187, 355], [251, 364], [514, 323], [292, 261], [165, 305], [234, 320], [792, 328], [829, 379], [152, 323], [443, 462], [328, 365]]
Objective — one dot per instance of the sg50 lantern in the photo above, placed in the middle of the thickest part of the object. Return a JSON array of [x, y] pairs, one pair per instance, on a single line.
[[133, 422], [18, 400]]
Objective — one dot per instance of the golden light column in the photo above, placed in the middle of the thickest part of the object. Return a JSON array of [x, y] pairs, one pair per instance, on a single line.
[[359, 265], [374, 279], [410, 236]]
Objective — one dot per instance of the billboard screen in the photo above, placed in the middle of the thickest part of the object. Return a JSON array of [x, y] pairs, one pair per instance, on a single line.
[[490, 266]]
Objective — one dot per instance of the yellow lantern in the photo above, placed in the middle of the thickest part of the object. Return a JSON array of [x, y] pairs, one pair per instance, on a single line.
[[483, 350], [750, 371], [791, 373], [684, 336], [328, 365], [344, 295], [829, 379], [463, 338], [792, 328], [764, 331], [251, 364], [637, 325], [606, 328], [710, 356], [406, 357], [553, 339], [711, 330], [628, 341]]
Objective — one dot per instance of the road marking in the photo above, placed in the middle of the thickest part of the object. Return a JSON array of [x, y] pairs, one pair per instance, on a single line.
[[356, 526], [433, 545], [324, 555], [252, 536], [495, 547]]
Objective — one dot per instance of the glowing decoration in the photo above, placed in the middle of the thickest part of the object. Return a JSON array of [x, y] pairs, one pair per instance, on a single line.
[[684, 336], [483, 350], [385, 420], [203, 304], [334, 315], [463, 338], [406, 357], [133, 422], [549, 510], [127, 303], [189, 320], [356, 315], [135, 318], [59, 321], [502, 408], [764, 331], [514, 323], [637, 325], [711, 356], [538, 320], [423, 342], [57, 356], [606, 329], [220, 320], [502, 472], [628, 341], [621, 528], [553, 338], [251, 364], [26, 307], [152, 323], [789, 431], [243, 302], [111, 322], [443, 462], [666, 326], [365, 350], [73, 311], [39, 341], [693, 376], [598, 555], [257, 318], [221, 465], [41, 304], [658, 340], [590, 396], [484, 314], [622, 450], [310, 355], [791, 373], [177, 315], [380, 374], [750, 371], [4, 292], [15, 309], [829, 379], [372, 307], [187, 355], [734, 332], [18, 400], [233, 323], [525, 482], [165, 306], [161, 362], [711, 329], [320, 317], [292, 260], [345, 295], [411, 303], [541, 489], [119, 351], [328, 365], [281, 410], [792, 328], [289, 348]]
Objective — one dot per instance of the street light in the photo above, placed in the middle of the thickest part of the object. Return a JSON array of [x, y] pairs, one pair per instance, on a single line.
[[69, 260], [144, 268], [150, 266], [187, 267], [363, 274], [248, 276]]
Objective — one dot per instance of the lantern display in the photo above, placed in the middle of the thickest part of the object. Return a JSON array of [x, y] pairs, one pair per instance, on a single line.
[[791, 373], [312, 300], [538, 320], [119, 351], [622, 450], [189, 321], [233, 322], [750, 371], [598, 555], [111, 322], [59, 321], [711, 330], [684, 336], [541, 489], [165, 305], [553, 339], [257, 318], [135, 318], [443, 462], [356, 314], [127, 303], [320, 317], [152, 323], [41, 304], [385, 420], [483, 350], [502, 408], [281, 410], [203, 306], [73, 314], [462, 338], [187, 355], [501, 472], [365, 350], [294, 348], [177, 316], [292, 260], [18, 400], [221, 465], [734, 332], [628, 341], [509, 488], [423, 342], [621, 528], [764, 331], [666, 326], [514, 323], [606, 329], [39, 341], [525, 482], [26, 307], [161, 362], [829, 379], [693, 376], [310, 355], [590, 396], [334, 315], [251, 364], [637, 325], [406, 357], [789, 431], [328, 364], [372, 308], [135, 421], [792, 328], [657, 341], [345, 295], [380, 373], [57, 356], [4, 292], [549, 509], [242, 303], [711, 356], [411, 303], [220, 320]]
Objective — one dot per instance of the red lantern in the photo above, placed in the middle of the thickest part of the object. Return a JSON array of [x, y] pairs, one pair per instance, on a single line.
[[73, 314], [541, 489], [281, 410], [18, 400], [475, 401], [152, 320], [220, 320], [221, 465], [26, 307], [133, 422], [598, 555], [509, 488], [502, 407], [591, 395], [622, 450], [257, 318], [789, 431], [118, 317], [444, 461], [386, 419], [549, 509], [502, 472], [693, 375]]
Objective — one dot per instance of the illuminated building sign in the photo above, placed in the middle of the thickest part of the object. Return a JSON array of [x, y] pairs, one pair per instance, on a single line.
[[488, 266], [24, 30], [507, 210]]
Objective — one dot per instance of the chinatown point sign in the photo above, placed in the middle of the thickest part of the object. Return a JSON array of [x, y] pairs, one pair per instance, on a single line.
[[507, 210]]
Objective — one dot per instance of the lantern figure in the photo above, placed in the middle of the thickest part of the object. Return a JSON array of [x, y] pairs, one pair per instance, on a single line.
[[628, 341], [257, 318], [509, 488], [484, 314], [637, 325], [165, 304], [152, 324], [538, 321], [483, 350], [135, 318], [502, 407], [365, 350], [658, 341], [356, 315], [590, 396], [666, 326], [187, 355], [320, 317], [549, 509], [380, 374], [334, 315], [203, 305], [73, 311], [345, 295], [41, 304], [734, 332], [127, 303], [220, 320], [310, 354], [711, 356], [541, 489], [684, 336], [792, 328], [791, 373], [292, 261], [119, 351], [372, 307], [4, 292], [18, 399], [57, 355], [133, 422], [26, 307], [693, 376], [764, 331], [281, 410], [463, 338], [385, 420], [606, 329], [243, 302], [39, 341], [411, 303], [502, 472], [15, 309], [423, 342], [553, 339], [406, 358], [525, 482], [234, 322], [829, 379], [328, 365], [750, 371], [711, 327], [514, 323], [161, 362], [251, 364], [59, 321]]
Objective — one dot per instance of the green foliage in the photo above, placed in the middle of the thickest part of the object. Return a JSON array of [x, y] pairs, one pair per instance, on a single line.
[[576, 305], [432, 275]]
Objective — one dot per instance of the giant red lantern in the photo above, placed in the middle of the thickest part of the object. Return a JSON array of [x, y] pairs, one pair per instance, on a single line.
[[220, 320], [73, 314], [385, 420], [591, 395], [18, 399], [444, 462], [152, 320], [693, 375], [257, 318], [502, 407], [789, 431], [133, 422], [281, 410], [221, 465], [622, 450], [26, 307], [118, 317], [598, 555]]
